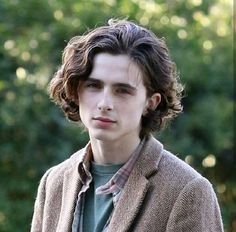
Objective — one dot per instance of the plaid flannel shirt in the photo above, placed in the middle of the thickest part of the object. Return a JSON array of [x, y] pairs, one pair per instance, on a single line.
[[114, 186]]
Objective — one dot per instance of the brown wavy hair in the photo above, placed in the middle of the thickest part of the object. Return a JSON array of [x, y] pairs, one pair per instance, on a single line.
[[143, 47]]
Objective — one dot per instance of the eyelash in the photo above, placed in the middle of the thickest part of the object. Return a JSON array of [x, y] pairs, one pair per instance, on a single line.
[[92, 85], [123, 91]]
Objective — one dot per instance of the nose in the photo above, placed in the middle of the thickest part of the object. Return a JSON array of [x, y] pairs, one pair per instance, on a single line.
[[105, 102]]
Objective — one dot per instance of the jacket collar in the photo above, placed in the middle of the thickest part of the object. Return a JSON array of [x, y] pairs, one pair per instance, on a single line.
[[133, 194]]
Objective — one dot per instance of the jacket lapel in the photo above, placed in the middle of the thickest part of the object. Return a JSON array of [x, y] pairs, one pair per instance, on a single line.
[[71, 186], [129, 204], [137, 185]]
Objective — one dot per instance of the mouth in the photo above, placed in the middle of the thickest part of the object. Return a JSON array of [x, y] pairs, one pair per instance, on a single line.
[[102, 119]]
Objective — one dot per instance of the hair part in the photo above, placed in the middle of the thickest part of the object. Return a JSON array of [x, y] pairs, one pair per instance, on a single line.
[[143, 47]]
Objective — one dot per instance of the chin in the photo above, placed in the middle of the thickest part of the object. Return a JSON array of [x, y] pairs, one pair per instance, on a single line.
[[102, 136]]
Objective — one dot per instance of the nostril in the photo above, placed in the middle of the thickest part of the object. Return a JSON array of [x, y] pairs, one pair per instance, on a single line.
[[105, 108]]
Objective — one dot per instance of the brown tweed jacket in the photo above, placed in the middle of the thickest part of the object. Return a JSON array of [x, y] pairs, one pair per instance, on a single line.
[[162, 193]]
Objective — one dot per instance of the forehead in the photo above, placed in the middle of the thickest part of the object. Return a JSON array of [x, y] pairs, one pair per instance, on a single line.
[[115, 68]]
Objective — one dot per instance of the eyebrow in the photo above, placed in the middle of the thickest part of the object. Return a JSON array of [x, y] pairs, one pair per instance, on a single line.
[[118, 84]]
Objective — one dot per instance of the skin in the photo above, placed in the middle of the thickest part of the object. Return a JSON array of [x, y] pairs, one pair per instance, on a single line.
[[112, 101]]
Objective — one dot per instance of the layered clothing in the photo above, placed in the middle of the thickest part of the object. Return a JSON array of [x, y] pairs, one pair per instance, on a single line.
[[162, 193]]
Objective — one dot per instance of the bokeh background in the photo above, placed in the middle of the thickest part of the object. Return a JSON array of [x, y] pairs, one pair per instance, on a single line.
[[34, 134]]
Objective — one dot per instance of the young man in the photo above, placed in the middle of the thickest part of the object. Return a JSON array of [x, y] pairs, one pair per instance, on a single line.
[[120, 82]]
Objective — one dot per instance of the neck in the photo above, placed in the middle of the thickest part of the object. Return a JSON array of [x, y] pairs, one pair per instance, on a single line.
[[113, 152]]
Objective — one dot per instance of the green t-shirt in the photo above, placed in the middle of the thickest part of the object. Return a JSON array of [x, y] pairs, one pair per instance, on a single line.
[[98, 208]]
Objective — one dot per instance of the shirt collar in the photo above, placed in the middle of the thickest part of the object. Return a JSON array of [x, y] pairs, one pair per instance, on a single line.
[[117, 182], [84, 164]]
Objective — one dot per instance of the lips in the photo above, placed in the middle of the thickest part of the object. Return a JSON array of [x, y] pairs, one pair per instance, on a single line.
[[103, 119], [103, 123]]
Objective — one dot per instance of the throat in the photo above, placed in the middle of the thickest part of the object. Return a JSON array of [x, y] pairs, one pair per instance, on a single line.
[[112, 153]]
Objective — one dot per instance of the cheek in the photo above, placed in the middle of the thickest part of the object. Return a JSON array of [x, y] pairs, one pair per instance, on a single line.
[[132, 112], [83, 106], [85, 100]]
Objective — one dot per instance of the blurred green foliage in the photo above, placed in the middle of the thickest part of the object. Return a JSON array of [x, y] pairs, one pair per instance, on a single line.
[[34, 134]]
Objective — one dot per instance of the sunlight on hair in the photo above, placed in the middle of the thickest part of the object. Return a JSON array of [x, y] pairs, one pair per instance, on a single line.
[[209, 161]]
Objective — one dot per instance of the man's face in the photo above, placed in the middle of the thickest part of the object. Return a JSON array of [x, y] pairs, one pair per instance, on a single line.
[[113, 99]]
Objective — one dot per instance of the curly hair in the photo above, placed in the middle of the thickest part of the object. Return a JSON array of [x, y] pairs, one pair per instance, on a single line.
[[143, 47]]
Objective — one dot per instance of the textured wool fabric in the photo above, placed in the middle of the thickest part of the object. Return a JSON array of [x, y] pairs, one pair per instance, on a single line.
[[162, 194]]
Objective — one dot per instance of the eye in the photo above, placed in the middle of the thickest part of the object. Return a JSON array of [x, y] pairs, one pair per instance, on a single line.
[[123, 91], [92, 85]]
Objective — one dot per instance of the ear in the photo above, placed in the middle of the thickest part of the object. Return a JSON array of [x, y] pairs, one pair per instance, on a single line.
[[153, 101]]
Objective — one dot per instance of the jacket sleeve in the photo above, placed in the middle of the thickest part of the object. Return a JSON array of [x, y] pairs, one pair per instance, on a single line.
[[196, 209], [37, 221]]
